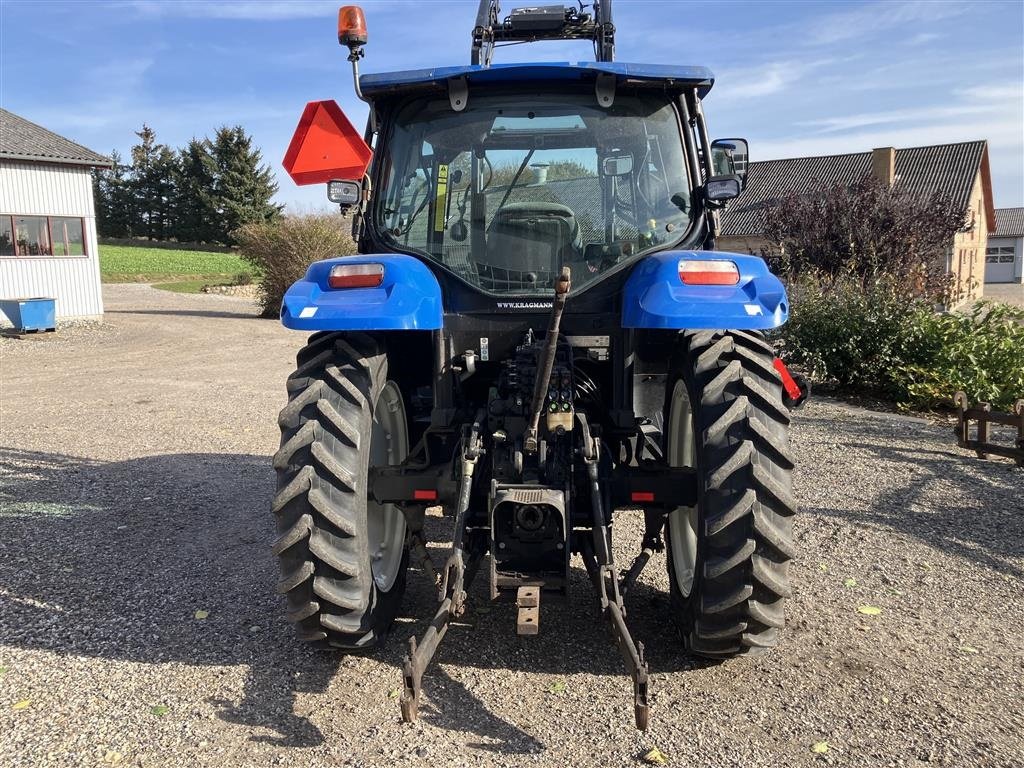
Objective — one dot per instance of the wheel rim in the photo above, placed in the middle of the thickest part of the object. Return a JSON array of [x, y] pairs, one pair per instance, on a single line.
[[682, 522], [385, 523]]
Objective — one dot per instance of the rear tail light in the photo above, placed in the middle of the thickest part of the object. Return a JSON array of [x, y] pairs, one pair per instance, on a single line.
[[708, 272], [356, 276]]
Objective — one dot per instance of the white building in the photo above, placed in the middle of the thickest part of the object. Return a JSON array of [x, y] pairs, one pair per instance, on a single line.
[[1004, 257], [47, 219]]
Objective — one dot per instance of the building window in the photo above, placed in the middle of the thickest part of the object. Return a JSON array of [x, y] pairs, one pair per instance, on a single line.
[[1002, 254], [6, 236], [32, 236], [41, 235], [66, 236]]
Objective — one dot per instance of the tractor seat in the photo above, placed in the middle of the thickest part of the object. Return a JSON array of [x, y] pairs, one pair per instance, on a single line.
[[527, 244]]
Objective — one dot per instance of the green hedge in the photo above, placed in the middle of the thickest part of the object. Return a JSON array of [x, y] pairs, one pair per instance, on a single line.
[[880, 340]]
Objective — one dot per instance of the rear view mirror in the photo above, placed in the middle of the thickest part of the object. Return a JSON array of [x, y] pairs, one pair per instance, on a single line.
[[618, 165], [343, 192], [729, 157], [720, 189]]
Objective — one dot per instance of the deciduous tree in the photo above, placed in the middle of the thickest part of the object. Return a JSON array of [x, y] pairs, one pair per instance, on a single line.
[[867, 229]]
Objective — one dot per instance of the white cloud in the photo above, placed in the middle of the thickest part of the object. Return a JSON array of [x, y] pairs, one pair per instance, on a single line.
[[996, 93], [923, 38], [878, 17], [117, 75], [764, 79], [995, 99], [1004, 134], [902, 116]]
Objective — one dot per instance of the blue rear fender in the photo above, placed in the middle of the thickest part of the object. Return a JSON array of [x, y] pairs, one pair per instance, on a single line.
[[408, 299], [655, 297]]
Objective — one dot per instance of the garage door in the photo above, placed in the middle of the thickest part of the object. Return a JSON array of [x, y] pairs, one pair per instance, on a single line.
[[999, 264]]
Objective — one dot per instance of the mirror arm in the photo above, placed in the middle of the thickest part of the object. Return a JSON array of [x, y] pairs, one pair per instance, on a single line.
[[705, 141], [360, 208], [691, 148]]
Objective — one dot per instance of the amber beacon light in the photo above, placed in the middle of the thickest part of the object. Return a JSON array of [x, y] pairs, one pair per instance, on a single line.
[[351, 26]]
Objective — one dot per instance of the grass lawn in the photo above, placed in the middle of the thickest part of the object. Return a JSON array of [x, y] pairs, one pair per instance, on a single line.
[[131, 264], [183, 286]]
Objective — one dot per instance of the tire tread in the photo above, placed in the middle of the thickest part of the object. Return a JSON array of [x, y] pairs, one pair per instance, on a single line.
[[320, 503], [746, 497]]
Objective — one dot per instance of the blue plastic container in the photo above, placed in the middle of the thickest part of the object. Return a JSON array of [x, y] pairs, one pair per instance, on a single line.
[[35, 314]]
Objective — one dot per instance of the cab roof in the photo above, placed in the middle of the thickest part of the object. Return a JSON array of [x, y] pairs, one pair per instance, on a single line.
[[670, 75]]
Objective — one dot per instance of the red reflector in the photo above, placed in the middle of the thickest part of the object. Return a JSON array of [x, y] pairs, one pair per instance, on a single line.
[[641, 496], [326, 146], [788, 382], [708, 272], [424, 495], [356, 276]]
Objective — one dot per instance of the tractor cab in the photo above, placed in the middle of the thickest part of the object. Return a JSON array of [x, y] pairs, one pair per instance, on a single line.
[[532, 173]]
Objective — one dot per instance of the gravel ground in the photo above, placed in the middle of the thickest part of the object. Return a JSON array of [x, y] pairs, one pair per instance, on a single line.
[[136, 489], [1009, 293]]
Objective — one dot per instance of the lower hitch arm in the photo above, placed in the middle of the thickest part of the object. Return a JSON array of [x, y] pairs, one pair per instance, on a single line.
[[600, 563], [632, 652], [633, 656], [456, 577]]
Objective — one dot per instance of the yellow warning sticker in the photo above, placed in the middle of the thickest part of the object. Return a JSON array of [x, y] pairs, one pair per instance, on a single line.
[[441, 201]]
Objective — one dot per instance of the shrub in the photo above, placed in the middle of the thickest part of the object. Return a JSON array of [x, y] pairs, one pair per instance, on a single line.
[[845, 334], [880, 340], [280, 251], [981, 353]]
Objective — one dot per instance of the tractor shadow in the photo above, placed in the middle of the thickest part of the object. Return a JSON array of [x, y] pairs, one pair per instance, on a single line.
[[112, 560], [949, 500]]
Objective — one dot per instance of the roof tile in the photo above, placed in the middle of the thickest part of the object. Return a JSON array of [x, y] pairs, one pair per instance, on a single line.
[[950, 168], [1009, 222], [21, 139]]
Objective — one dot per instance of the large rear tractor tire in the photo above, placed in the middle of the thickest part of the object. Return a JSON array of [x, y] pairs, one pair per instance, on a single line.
[[343, 558], [728, 556]]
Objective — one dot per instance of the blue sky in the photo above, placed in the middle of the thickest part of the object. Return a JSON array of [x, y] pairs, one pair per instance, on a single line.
[[796, 78]]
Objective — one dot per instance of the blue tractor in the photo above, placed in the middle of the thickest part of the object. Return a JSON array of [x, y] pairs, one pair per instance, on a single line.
[[536, 334]]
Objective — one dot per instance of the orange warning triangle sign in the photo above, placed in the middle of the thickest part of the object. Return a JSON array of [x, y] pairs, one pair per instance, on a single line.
[[326, 146]]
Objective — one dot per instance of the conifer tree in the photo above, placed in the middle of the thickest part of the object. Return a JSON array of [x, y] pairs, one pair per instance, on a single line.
[[243, 185], [152, 182], [196, 214], [113, 195]]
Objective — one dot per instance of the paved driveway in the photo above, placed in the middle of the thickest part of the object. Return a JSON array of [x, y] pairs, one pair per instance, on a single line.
[[1008, 293]]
